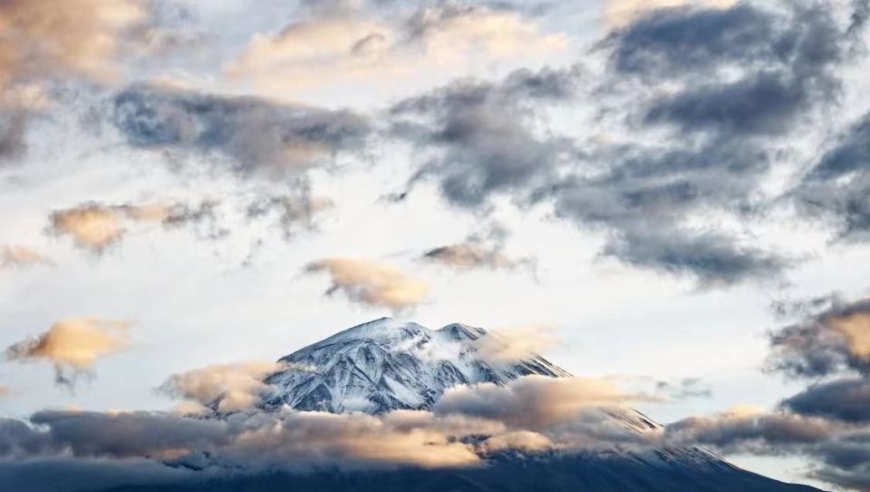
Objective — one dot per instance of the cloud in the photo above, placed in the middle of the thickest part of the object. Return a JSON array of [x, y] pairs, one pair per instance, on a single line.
[[847, 400], [45, 42], [372, 283], [97, 226], [4, 391], [16, 256], [693, 99], [534, 402], [259, 137], [472, 424], [346, 46], [838, 186], [479, 251], [515, 344], [73, 346], [752, 431], [225, 388], [686, 388], [483, 139], [714, 259], [619, 13], [90, 33], [703, 100], [831, 342], [292, 212]]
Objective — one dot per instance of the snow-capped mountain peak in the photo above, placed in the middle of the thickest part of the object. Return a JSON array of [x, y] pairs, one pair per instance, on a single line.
[[386, 365]]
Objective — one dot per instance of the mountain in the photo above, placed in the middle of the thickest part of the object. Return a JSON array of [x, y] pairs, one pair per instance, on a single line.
[[388, 365]]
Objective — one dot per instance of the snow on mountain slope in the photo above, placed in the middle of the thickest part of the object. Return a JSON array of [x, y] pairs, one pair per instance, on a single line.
[[386, 365]]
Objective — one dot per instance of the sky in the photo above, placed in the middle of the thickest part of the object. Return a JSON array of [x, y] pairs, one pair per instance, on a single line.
[[670, 194]]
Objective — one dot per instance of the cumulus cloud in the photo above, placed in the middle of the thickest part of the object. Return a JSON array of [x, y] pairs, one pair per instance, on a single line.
[[256, 136], [225, 388], [73, 346], [12, 256], [97, 226], [372, 283], [345, 45]]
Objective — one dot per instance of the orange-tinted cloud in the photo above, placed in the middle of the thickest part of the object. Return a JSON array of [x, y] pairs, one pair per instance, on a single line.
[[73, 345], [226, 388], [621, 12], [514, 344], [372, 283], [97, 227], [535, 402], [44, 38], [351, 47], [12, 256]]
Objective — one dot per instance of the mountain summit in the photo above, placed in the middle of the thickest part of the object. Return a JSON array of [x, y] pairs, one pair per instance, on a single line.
[[386, 365]]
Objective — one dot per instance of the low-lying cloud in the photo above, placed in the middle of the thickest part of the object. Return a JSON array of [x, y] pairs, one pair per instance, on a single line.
[[516, 344], [225, 388]]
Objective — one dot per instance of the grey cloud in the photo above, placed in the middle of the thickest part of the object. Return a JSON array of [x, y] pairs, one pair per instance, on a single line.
[[758, 433], [59, 474], [483, 138], [838, 187], [666, 73], [13, 127], [257, 136], [847, 400], [686, 388], [122, 435], [831, 342], [714, 259], [292, 212]]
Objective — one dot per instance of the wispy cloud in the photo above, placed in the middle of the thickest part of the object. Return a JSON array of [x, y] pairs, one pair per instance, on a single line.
[[17, 256]]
